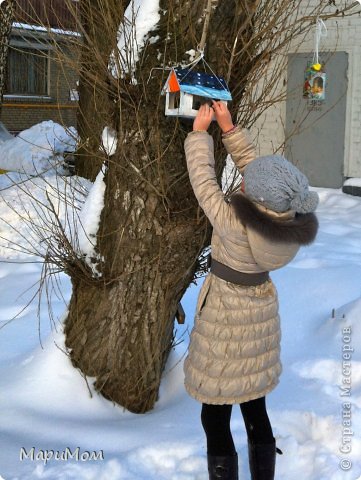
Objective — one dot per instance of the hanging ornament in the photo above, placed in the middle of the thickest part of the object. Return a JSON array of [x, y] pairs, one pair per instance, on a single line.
[[187, 87], [314, 87]]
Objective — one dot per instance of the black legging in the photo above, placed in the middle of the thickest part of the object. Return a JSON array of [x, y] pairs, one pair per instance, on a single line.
[[216, 423]]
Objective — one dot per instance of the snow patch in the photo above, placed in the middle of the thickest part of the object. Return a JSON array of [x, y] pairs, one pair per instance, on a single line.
[[37, 28], [353, 182], [140, 19], [46, 403], [38, 148], [89, 220], [192, 54], [109, 141], [231, 177]]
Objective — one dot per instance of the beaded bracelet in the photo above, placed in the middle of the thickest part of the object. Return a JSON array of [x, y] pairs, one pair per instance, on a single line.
[[224, 134]]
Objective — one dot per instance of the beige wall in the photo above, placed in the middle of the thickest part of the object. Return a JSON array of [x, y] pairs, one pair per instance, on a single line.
[[344, 34]]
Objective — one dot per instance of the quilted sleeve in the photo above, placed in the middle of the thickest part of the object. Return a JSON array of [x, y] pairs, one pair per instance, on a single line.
[[239, 145], [199, 152]]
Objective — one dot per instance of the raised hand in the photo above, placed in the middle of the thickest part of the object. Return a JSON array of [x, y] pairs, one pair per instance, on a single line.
[[203, 118], [223, 116]]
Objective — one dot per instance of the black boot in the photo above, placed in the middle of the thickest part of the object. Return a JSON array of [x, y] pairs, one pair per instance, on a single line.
[[223, 468], [262, 460]]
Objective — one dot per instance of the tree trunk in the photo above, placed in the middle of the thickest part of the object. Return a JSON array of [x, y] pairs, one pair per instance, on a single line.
[[120, 328], [99, 22], [6, 16], [122, 332]]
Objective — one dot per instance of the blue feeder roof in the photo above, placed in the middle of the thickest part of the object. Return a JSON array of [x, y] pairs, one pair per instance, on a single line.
[[202, 84]]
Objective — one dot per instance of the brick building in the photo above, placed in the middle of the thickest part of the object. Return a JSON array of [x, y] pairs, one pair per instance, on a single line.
[[39, 85], [323, 138]]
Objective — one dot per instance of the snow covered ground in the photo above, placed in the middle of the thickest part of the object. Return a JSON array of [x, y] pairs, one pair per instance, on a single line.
[[37, 149], [46, 406]]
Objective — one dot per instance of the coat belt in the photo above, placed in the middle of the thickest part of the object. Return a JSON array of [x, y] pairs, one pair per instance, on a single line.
[[234, 276]]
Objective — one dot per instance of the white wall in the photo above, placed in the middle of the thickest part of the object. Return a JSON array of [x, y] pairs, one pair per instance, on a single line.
[[344, 34]]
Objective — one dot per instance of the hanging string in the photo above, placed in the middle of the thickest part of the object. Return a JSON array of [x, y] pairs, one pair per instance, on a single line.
[[195, 62], [192, 64], [197, 59], [205, 26], [202, 45], [205, 63], [321, 31], [200, 50]]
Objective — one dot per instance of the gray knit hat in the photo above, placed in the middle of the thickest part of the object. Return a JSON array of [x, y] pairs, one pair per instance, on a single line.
[[278, 185]]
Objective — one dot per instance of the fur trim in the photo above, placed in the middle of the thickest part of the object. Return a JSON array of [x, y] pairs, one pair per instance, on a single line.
[[301, 229]]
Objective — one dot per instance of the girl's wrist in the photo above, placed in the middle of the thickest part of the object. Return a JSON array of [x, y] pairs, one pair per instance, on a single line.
[[228, 129], [198, 131]]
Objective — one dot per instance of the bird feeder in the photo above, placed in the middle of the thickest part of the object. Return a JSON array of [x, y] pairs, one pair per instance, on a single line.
[[186, 90], [314, 87]]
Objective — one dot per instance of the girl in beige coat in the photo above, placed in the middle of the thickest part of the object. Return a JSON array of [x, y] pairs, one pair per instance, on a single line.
[[234, 351]]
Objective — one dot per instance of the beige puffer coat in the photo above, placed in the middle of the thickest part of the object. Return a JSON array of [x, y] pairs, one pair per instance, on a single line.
[[234, 351]]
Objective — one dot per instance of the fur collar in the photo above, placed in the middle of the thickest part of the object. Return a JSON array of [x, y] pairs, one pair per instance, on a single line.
[[298, 228]]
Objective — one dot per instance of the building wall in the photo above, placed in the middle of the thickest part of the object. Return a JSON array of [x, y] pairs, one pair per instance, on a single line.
[[21, 112], [51, 13], [344, 34]]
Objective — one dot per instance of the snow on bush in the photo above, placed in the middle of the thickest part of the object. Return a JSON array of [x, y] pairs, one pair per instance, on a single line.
[[38, 148], [49, 204]]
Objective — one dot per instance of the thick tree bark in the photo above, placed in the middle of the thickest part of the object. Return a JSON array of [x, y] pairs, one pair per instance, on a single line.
[[120, 328], [6, 16]]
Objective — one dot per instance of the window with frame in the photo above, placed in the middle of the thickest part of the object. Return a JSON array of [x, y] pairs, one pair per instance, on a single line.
[[27, 72]]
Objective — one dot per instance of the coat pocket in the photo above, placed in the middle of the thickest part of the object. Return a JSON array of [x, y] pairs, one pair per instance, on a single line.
[[203, 294]]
